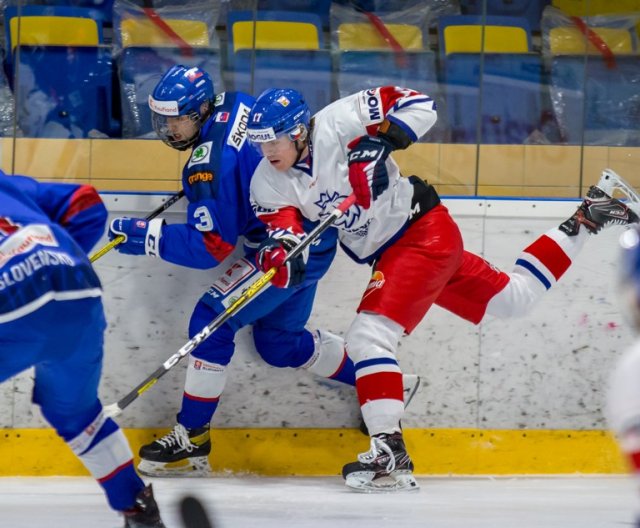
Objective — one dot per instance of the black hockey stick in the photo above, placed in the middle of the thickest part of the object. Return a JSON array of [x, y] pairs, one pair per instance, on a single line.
[[114, 409], [193, 513], [119, 239]]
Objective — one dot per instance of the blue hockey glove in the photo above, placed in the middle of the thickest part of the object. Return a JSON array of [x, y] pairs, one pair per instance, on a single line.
[[140, 237], [272, 252], [367, 170]]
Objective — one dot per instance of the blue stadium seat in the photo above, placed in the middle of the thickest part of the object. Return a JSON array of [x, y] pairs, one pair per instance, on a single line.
[[101, 10], [358, 70], [318, 7], [528, 9], [65, 92], [506, 97], [308, 71], [288, 53], [140, 70], [592, 98]]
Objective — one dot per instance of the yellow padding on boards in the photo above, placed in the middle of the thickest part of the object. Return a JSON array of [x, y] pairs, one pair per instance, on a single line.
[[361, 36], [278, 452], [596, 7], [571, 41], [144, 32], [497, 39], [53, 31], [275, 35]]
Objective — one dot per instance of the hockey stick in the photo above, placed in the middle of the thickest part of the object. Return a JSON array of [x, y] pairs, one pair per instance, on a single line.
[[114, 409], [119, 239], [193, 513]]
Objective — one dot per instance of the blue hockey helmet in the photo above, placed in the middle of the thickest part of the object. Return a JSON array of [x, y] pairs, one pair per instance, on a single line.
[[276, 112], [630, 273], [179, 96]]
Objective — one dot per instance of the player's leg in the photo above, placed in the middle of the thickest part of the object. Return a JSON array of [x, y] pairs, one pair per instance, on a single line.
[[283, 341], [405, 282], [66, 389]]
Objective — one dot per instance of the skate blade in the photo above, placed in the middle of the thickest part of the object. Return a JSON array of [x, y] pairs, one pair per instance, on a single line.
[[398, 481], [189, 467], [611, 181]]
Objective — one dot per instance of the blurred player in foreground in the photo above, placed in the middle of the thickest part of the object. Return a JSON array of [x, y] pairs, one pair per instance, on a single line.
[[51, 318]]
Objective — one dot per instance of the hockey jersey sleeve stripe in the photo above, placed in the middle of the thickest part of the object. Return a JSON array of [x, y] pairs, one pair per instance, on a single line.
[[82, 199], [287, 218], [217, 248]]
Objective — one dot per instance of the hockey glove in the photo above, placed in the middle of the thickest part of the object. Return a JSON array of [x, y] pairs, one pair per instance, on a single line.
[[367, 170], [140, 237], [272, 252]]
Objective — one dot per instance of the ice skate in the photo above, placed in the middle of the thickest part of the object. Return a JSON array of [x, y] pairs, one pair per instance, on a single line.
[[388, 460], [410, 385], [180, 453], [145, 513], [600, 209]]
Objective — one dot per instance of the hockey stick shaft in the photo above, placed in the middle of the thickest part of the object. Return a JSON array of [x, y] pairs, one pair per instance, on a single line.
[[119, 239], [115, 409]]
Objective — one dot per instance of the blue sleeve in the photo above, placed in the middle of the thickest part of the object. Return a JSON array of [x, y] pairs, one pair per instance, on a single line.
[[77, 208]]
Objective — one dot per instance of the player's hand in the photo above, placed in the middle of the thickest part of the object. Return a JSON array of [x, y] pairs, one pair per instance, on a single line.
[[140, 237], [367, 170], [271, 254]]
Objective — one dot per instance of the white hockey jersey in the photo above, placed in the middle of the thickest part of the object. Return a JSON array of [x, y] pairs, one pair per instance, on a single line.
[[315, 191]]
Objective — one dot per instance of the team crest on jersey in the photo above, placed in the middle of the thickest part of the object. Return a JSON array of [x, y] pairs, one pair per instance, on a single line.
[[328, 201], [201, 154]]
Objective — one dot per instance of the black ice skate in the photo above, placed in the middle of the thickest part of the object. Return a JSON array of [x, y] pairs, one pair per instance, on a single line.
[[387, 459], [145, 513], [599, 209], [180, 453], [410, 385]]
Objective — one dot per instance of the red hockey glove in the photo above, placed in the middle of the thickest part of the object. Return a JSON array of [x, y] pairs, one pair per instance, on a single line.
[[367, 170], [272, 252]]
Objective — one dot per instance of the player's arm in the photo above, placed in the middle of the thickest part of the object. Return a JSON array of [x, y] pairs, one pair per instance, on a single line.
[[77, 208], [394, 118]]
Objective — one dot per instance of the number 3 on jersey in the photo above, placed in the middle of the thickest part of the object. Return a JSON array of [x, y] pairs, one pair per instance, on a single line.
[[203, 220]]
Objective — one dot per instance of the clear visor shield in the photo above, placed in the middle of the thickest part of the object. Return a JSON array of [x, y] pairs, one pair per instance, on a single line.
[[266, 139], [179, 132]]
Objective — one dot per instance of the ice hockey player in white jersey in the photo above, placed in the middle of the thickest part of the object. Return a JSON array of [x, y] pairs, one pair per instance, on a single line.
[[400, 227], [623, 396], [51, 318]]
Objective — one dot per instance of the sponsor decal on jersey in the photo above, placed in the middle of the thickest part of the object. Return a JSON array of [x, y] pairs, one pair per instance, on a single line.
[[25, 240], [233, 276], [197, 177], [370, 103], [238, 134], [375, 283], [219, 100], [222, 117], [26, 268], [201, 154]]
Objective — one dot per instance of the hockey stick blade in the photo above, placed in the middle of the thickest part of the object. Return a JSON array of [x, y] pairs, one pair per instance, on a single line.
[[119, 239], [193, 513], [116, 408]]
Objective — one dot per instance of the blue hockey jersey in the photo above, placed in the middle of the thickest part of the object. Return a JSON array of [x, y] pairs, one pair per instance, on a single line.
[[46, 230], [216, 182]]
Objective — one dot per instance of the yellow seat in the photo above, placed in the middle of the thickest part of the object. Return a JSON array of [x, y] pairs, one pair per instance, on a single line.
[[53, 31], [583, 8], [272, 34], [144, 32], [497, 39], [363, 36], [571, 41]]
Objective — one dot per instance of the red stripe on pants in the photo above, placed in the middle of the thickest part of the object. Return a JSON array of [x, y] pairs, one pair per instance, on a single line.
[[379, 386]]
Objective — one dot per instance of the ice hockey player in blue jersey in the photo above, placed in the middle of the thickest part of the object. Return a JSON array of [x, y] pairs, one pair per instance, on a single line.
[[216, 180], [51, 318]]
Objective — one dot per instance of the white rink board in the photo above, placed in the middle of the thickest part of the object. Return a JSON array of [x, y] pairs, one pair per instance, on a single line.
[[545, 371]]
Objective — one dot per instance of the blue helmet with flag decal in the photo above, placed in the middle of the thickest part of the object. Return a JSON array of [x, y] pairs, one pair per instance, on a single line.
[[276, 112], [180, 103]]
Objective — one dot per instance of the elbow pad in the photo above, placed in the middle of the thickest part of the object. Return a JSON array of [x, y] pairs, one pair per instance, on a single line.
[[394, 134]]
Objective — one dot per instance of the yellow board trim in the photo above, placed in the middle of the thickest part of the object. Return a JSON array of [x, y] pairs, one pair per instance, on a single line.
[[361, 36], [490, 39], [275, 34], [315, 452], [53, 31], [144, 32]]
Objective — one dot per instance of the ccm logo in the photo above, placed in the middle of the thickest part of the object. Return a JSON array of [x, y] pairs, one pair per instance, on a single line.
[[200, 177], [363, 154]]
